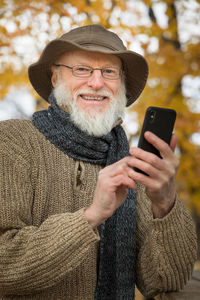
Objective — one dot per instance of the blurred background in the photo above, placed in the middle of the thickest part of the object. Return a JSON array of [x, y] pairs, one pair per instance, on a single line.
[[167, 33]]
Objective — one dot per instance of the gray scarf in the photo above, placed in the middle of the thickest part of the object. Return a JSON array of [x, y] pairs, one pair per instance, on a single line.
[[117, 250]]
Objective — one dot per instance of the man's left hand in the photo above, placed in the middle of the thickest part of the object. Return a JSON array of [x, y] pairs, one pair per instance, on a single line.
[[160, 184]]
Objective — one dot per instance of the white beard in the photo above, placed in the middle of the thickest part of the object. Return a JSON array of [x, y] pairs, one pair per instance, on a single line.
[[97, 123]]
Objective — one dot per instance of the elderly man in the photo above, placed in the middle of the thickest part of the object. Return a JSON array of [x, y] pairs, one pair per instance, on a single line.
[[68, 188]]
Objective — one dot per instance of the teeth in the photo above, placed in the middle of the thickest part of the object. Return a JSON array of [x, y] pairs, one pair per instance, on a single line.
[[94, 98]]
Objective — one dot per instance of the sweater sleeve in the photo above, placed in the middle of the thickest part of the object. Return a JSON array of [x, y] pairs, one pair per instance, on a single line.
[[166, 248], [34, 258]]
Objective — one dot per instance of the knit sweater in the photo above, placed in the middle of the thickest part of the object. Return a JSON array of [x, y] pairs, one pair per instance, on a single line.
[[47, 248]]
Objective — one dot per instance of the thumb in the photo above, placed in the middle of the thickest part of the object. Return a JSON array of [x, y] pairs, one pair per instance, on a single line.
[[173, 142]]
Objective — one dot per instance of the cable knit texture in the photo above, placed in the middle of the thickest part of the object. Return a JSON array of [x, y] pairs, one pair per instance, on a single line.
[[47, 248]]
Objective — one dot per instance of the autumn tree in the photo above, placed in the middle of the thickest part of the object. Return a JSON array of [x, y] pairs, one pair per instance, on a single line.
[[171, 58], [169, 65]]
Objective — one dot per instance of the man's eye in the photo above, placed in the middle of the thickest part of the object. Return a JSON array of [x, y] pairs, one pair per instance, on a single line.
[[109, 71], [82, 69]]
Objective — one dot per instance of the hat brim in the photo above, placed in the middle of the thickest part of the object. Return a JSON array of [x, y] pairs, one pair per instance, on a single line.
[[134, 65]]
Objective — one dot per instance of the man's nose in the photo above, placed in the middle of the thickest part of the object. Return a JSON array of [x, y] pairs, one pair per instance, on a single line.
[[96, 80]]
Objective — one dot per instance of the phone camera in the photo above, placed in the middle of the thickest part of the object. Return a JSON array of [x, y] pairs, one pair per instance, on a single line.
[[152, 115]]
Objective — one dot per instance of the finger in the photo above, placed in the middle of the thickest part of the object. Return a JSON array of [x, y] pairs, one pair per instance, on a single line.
[[144, 160], [173, 142], [147, 181], [116, 175], [159, 144], [115, 169], [125, 181]]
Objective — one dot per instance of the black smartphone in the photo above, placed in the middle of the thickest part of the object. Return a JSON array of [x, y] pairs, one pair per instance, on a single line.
[[161, 122]]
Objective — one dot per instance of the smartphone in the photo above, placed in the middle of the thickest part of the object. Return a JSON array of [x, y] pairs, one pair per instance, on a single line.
[[161, 122]]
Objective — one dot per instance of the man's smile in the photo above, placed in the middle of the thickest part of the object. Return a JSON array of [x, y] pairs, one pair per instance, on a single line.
[[93, 97]]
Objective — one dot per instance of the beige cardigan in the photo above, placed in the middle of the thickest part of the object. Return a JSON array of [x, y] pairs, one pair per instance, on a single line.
[[47, 248]]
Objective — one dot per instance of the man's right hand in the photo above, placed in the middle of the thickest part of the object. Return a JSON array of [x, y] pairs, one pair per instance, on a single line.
[[111, 190]]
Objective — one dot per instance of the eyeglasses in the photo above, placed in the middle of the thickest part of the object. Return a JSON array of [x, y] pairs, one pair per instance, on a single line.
[[112, 73]]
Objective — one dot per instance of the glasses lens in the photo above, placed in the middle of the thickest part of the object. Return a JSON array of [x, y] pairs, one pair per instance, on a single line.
[[81, 71], [111, 72], [86, 71]]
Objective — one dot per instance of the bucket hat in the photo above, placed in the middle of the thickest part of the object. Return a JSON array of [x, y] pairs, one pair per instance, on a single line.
[[90, 38]]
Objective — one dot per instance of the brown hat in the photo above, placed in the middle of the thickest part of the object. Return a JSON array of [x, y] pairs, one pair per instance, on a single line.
[[90, 38]]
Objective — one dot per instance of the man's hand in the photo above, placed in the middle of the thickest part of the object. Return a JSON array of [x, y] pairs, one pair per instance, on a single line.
[[160, 184], [111, 190], [114, 180]]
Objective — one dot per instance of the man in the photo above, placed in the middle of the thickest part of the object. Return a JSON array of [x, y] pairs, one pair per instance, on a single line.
[[68, 185]]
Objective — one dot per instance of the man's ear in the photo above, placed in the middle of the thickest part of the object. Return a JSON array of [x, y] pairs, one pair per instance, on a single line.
[[54, 76]]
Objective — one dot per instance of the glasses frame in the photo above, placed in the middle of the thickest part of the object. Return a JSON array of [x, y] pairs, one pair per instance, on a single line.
[[91, 71]]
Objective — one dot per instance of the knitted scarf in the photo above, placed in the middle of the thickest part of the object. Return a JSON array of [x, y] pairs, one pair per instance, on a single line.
[[117, 250]]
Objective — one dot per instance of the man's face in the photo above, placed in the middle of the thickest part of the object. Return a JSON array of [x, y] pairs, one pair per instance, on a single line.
[[92, 95]]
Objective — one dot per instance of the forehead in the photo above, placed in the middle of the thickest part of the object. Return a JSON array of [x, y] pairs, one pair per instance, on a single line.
[[90, 57]]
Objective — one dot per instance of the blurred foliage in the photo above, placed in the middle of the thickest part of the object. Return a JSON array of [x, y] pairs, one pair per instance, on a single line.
[[169, 63]]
